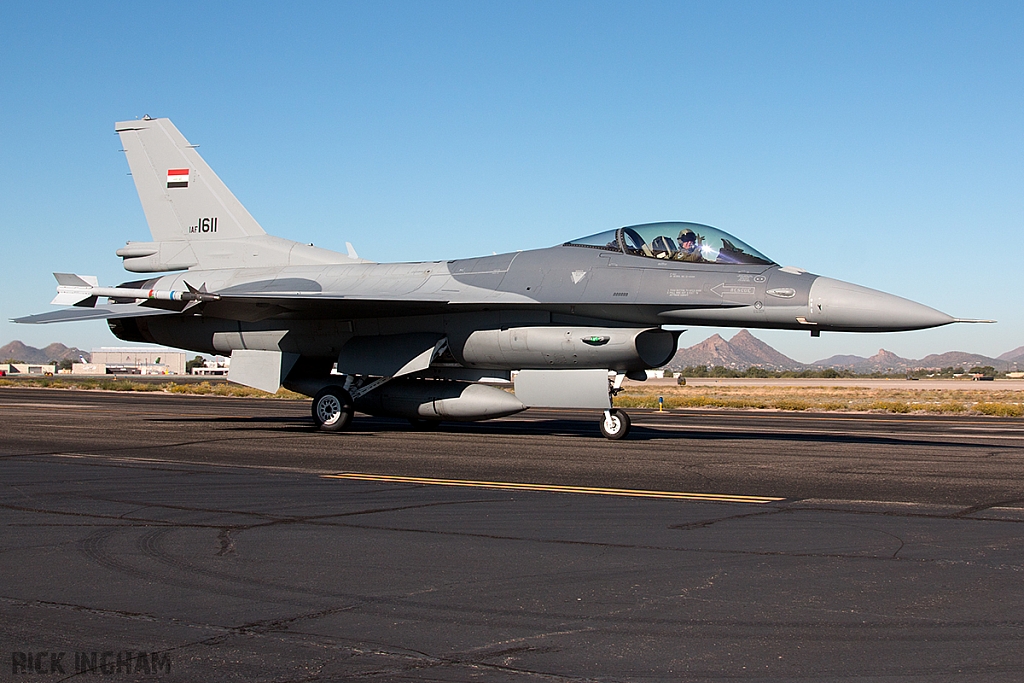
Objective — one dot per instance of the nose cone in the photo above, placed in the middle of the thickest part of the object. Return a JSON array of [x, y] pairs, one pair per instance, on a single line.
[[845, 307]]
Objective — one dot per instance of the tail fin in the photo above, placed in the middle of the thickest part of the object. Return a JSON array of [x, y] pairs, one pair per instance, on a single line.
[[181, 195], [195, 220]]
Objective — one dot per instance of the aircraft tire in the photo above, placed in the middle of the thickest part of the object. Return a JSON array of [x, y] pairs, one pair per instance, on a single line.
[[615, 425], [332, 409]]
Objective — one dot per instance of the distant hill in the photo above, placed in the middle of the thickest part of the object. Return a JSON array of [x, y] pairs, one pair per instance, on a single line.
[[960, 359], [745, 350], [841, 361], [54, 353], [886, 361], [1016, 355], [883, 361], [760, 354]]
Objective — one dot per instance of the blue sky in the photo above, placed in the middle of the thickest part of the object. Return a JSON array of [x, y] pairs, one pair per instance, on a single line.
[[877, 143]]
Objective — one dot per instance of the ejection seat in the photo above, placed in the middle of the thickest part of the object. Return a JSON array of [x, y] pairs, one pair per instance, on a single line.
[[663, 247]]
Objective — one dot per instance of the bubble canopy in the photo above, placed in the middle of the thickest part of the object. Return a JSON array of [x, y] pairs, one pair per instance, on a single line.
[[676, 241]]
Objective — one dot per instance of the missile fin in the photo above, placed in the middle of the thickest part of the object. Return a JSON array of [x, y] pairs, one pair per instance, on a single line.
[[72, 280], [89, 302], [75, 297]]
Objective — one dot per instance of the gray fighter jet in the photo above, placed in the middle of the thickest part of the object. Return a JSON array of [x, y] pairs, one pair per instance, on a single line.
[[437, 340]]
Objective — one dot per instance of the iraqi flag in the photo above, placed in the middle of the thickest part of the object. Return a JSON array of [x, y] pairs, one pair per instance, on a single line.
[[177, 177]]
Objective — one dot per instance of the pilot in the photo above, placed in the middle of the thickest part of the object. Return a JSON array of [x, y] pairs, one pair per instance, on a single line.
[[689, 250]]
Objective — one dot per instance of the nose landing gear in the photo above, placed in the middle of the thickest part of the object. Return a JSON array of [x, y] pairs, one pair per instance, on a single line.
[[615, 424]]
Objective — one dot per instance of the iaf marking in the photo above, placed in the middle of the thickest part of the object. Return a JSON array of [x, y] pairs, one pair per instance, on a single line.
[[515, 486]]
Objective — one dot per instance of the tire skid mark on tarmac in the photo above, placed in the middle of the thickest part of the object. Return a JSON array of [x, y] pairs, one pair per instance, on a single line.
[[610, 623], [96, 548], [401, 659]]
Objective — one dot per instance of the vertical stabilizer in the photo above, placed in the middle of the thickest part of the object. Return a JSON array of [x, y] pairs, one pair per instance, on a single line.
[[195, 220], [182, 197]]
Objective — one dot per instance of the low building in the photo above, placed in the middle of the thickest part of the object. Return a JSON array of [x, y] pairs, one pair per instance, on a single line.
[[28, 368], [217, 367], [88, 369], [139, 361]]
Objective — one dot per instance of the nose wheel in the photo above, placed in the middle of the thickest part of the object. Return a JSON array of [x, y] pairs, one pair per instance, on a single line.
[[615, 424], [332, 409]]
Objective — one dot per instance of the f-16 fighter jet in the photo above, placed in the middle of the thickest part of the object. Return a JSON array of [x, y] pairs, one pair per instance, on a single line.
[[436, 340]]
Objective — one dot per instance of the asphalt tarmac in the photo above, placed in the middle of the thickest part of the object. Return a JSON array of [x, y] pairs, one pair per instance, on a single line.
[[201, 538]]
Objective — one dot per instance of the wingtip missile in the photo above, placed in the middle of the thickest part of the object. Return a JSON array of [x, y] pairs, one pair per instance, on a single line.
[[84, 291]]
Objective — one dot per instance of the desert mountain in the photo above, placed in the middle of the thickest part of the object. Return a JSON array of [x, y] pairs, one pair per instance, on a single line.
[[745, 350], [712, 351], [1016, 355], [741, 352], [840, 361], [54, 353], [960, 359], [883, 361], [886, 361], [750, 347]]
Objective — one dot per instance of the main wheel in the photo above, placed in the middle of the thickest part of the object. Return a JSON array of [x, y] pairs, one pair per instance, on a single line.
[[332, 409], [614, 424]]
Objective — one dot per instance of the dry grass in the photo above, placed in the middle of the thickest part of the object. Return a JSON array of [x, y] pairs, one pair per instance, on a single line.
[[1000, 409], [205, 388], [197, 389], [1008, 403]]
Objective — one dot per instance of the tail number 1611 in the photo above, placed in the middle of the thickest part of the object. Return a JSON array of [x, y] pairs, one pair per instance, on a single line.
[[205, 225]]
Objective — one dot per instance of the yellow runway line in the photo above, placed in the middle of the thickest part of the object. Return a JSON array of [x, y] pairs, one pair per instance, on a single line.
[[514, 486]]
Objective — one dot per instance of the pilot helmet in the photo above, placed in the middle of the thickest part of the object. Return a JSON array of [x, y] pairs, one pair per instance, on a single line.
[[687, 235]]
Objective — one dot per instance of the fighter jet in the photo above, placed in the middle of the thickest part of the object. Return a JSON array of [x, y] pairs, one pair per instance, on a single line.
[[439, 340]]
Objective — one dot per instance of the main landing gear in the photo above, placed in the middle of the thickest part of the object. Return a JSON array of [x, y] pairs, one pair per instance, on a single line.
[[334, 406], [615, 424], [332, 409]]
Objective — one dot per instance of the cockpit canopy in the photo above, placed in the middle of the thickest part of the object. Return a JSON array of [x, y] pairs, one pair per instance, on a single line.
[[675, 241]]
